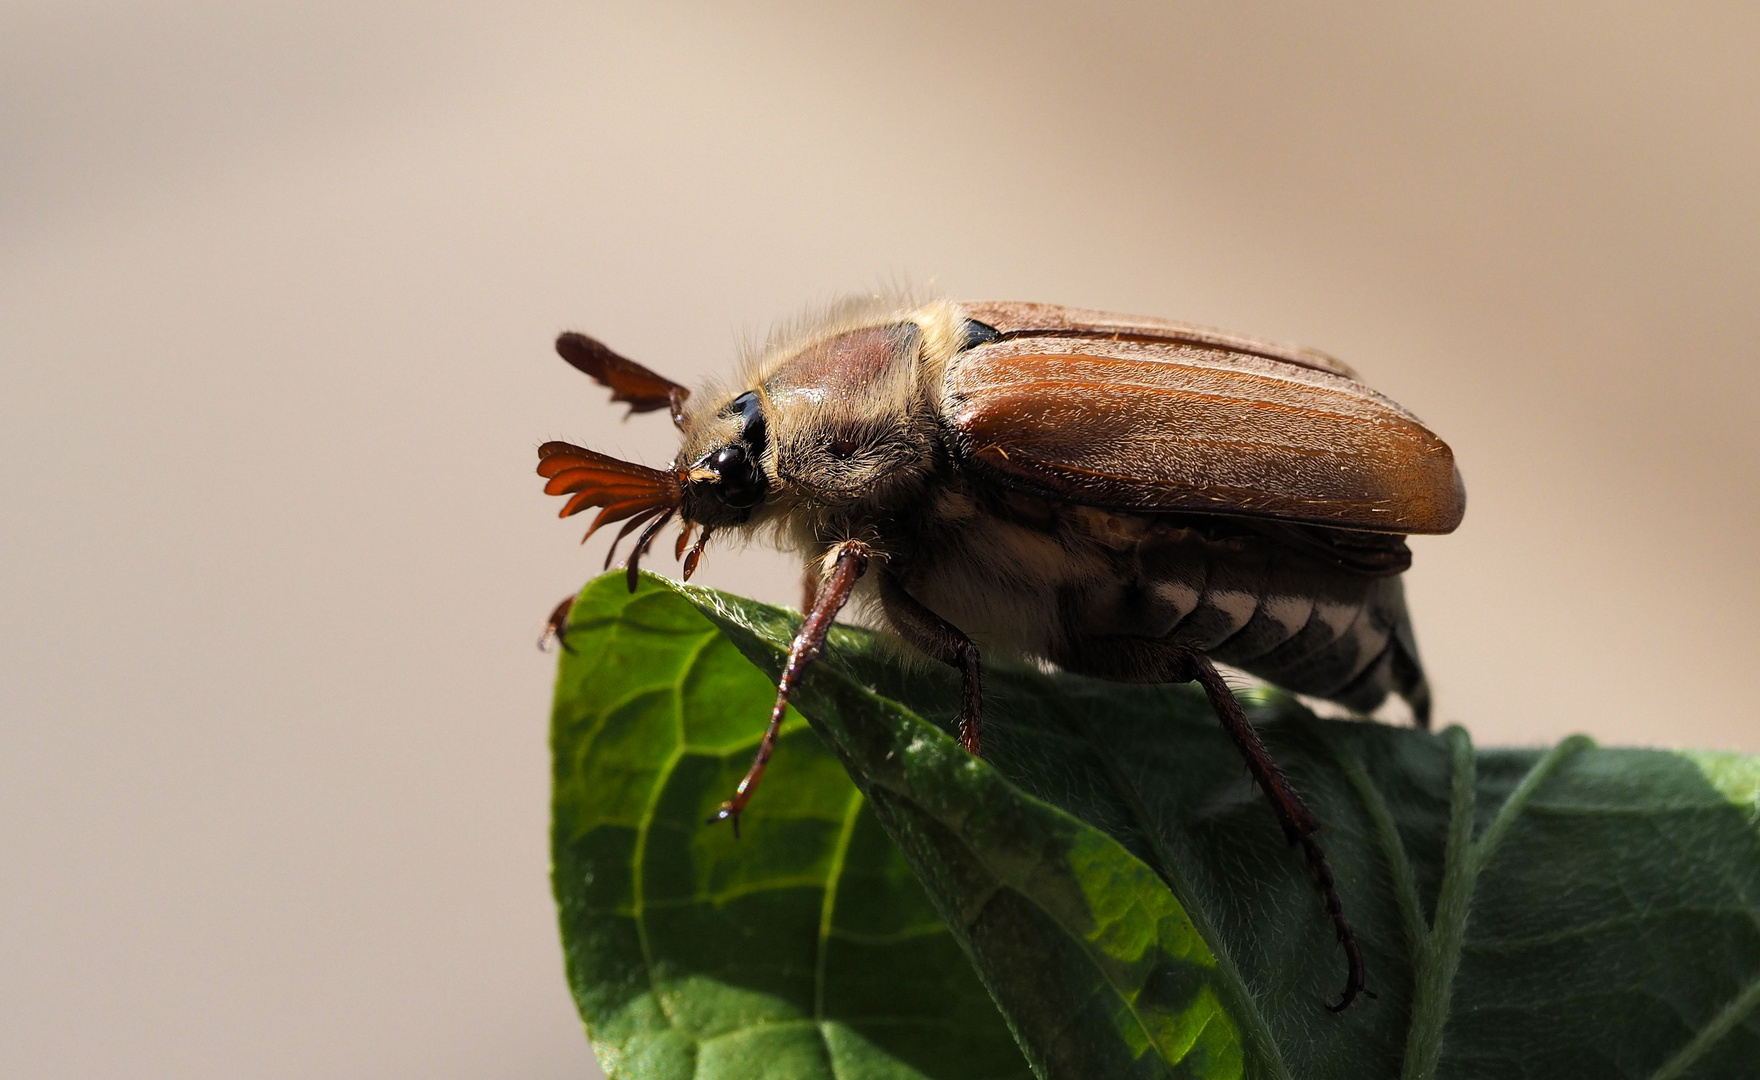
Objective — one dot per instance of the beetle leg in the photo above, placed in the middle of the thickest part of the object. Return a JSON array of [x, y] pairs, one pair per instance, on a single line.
[[809, 588], [556, 626], [945, 642], [1299, 823], [633, 565], [849, 559]]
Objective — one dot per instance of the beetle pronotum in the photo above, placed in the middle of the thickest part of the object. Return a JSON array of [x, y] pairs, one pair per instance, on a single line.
[[1123, 497]]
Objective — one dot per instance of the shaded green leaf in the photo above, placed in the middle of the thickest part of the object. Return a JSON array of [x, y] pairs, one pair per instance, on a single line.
[[1129, 901]]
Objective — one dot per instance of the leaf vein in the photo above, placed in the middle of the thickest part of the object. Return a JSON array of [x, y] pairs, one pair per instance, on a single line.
[[832, 876], [638, 856], [1393, 849], [1721, 1024]]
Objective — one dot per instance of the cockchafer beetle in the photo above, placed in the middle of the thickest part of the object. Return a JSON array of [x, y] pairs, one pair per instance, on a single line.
[[1123, 497]]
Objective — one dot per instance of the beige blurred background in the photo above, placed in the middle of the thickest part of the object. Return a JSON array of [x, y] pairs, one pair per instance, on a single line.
[[277, 286]]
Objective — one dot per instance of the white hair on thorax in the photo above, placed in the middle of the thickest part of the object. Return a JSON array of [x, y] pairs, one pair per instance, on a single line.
[[826, 320]]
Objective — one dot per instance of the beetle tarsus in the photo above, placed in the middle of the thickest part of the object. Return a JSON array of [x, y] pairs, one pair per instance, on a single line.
[[971, 713], [850, 559], [696, 551], [1353, 982], [727, 813], [556, 627], [1299, 823], [633, 565]]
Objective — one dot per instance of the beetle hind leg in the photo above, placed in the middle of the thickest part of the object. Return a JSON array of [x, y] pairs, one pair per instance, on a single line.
[[1146, 660], [1298, 822]]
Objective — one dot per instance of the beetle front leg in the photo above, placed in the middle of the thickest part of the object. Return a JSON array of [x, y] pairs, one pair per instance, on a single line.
[[556, 626], [945, 642], [848, 560]]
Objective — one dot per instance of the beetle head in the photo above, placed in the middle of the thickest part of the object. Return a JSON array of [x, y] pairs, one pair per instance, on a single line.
[[830, 423], [824, 425], [724, 462]]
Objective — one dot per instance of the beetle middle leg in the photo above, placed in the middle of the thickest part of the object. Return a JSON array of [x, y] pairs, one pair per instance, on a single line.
[[945, 642], [848, 560]]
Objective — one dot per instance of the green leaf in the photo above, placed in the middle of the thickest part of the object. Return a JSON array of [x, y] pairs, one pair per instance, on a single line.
[[1120, 886], [805, 948]]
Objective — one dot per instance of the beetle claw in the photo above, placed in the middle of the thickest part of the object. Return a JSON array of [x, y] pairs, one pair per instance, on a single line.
[[729, 813]]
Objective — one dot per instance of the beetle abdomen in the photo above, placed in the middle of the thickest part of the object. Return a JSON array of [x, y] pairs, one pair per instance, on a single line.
[[1250, 602], [1105, 593]]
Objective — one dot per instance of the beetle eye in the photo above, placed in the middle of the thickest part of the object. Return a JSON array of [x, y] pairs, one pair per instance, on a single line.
[[752, 429], [741, 483], [729, 460]]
